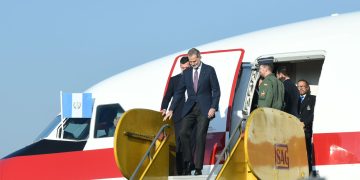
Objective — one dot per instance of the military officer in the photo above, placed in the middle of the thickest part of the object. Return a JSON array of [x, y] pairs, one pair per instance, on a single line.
[[271, 90]]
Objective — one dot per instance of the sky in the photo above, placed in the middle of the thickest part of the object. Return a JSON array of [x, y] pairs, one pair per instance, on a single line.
[[49, 46]]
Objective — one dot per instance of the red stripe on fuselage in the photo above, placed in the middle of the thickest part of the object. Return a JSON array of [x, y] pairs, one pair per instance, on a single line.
[[337, 148], [90, 164]]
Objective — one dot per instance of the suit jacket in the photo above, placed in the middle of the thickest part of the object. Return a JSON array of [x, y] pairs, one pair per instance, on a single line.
[[169, 94], [306, 112], [291, 97], [207, 95]]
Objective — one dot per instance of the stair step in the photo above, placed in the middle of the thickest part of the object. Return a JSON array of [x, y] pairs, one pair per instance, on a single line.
[[188, 177]]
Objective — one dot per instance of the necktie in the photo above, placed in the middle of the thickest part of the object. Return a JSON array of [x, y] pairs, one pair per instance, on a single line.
[[196, 79], [302, 98]]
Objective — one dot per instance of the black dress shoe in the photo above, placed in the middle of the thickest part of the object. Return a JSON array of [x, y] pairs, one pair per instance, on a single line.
[[179, 172], [197, 172], [185, 173]]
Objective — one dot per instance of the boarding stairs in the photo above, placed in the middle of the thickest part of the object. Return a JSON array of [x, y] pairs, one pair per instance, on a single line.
[[270, 145]]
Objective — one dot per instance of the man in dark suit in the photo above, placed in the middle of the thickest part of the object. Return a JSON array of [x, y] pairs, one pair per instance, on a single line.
[[291, 92], [184, 63], [306, 115], [203, 90]]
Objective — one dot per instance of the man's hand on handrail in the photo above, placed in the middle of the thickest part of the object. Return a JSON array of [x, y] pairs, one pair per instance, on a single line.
[[168, 115]]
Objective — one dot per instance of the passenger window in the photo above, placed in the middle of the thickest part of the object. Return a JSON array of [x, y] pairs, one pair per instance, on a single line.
[[76, 128], [107, 117]]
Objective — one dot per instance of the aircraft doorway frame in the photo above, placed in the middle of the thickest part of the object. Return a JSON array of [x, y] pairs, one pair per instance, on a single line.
[[216, 140], [234, 83]]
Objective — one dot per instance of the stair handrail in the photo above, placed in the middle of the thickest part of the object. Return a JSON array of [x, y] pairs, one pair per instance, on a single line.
[[227, 145], [162, 130]]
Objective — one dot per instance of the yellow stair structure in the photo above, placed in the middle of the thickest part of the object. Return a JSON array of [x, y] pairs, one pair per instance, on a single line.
[[144, 145], [271, 147]]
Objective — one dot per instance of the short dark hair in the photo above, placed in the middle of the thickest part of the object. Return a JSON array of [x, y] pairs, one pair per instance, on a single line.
[[283, 70], [194, 51], [184, 60], [269, 66], [307, 84], [305, 81]]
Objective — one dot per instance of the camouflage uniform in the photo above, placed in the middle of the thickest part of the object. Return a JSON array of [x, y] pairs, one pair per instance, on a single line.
[[271, 93]]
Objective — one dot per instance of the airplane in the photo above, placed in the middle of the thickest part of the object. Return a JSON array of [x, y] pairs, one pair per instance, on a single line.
[[322, 51]]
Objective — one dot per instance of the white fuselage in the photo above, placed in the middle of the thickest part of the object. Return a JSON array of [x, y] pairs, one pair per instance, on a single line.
[[336, 106], [337, 39]]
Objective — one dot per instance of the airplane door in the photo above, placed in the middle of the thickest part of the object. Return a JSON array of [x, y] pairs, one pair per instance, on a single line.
[[227, 64]]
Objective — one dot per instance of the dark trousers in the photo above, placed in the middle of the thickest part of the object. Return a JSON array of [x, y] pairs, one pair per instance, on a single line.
[[179, 156], [179, 151], [194, 120], [309, 150]]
